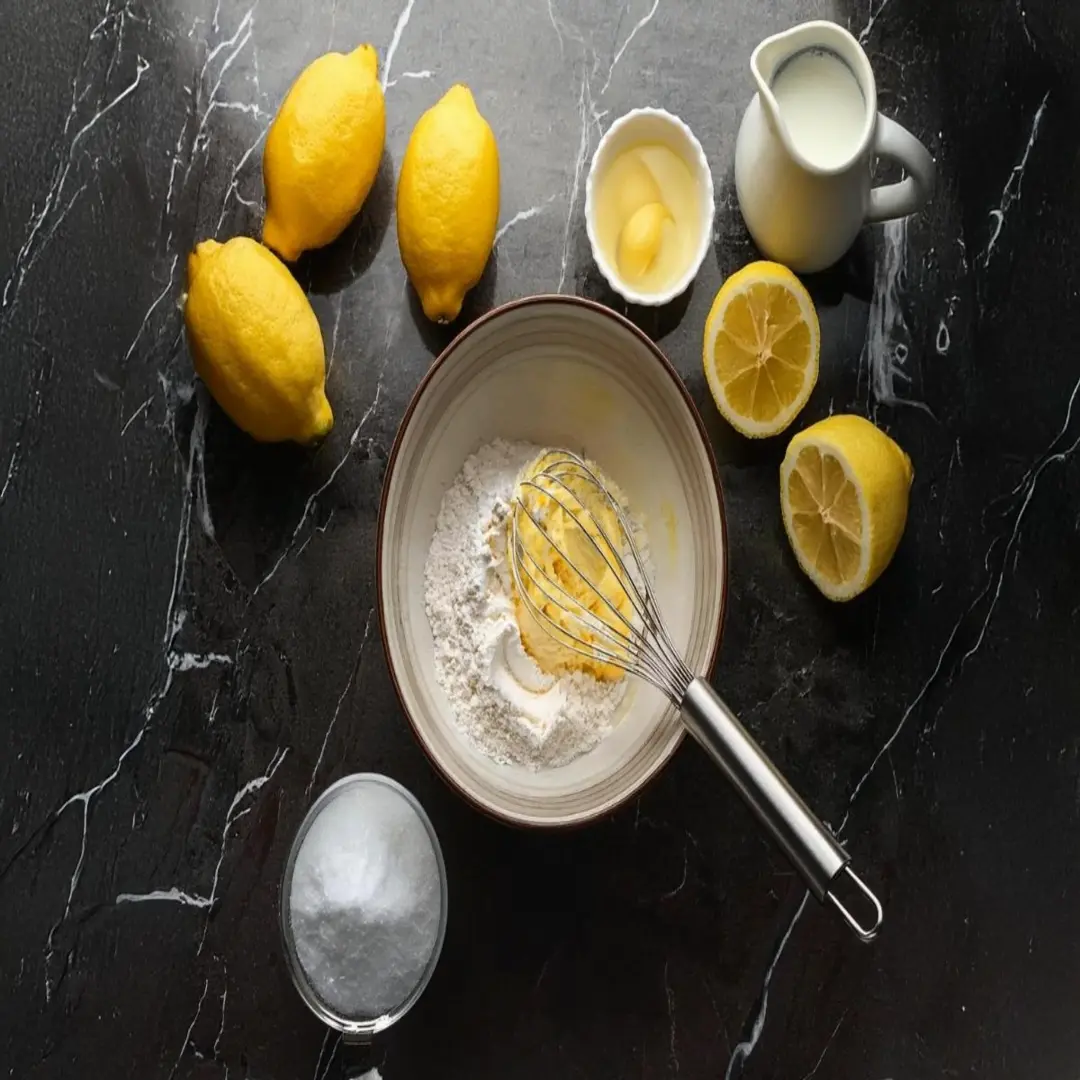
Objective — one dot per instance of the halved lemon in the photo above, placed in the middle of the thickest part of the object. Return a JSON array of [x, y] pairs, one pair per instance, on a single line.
[[844, 495], [761, 349]]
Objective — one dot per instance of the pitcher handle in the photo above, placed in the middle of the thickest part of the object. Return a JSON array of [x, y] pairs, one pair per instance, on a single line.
[[910, 194]]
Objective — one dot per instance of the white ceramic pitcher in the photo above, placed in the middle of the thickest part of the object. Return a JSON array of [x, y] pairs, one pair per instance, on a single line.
[[798, 213]]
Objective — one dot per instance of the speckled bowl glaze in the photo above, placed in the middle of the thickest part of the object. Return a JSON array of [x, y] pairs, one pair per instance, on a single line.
[[635, 128], [555, 371]]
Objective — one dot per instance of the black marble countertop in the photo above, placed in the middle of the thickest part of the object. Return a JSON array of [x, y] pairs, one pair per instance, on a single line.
[[153, 772]]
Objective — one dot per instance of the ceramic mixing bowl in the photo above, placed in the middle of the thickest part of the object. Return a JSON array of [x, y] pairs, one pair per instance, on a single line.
[[563, 372]]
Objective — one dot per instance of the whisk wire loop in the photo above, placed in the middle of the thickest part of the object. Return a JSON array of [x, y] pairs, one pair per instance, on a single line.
[[650, 630], [649, 609], [644, 647], [627, 652], [638, 665]]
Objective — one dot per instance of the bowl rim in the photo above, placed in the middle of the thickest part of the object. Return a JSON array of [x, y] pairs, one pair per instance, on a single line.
[[543, 300]]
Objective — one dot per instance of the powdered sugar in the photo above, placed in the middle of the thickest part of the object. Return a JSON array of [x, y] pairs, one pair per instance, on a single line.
[[503, 703]]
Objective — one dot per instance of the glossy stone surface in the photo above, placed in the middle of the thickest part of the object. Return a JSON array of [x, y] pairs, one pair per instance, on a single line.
[[190, 645]]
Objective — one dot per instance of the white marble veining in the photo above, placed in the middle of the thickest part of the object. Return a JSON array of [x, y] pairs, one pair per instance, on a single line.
[[171, 895], [745, 1048], [399, 29], [642, 22], [154, 144], [1013, 189], [886, 348], [51, 214], [82, 799], [312, 499], [825, 1049], [191, 1027], [234, 813], [522, 215], [669, 997], [873, 14], [590, 127], [340, 701]]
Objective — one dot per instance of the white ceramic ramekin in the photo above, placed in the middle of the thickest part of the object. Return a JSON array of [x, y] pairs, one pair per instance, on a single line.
[[644, 126]]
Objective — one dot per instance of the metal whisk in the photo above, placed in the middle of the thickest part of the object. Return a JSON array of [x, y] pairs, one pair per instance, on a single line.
[[622, 626]]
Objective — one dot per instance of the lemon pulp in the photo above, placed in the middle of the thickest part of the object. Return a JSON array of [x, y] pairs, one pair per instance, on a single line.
[[844, 489], [761, 348], [825, 515], [648, 216]]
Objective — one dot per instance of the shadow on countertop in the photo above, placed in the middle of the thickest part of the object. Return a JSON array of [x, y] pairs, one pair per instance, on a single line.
[[479, 300], [336, 266]]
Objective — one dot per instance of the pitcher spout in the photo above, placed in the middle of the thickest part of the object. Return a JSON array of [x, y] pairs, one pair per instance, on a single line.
[[769, 56]]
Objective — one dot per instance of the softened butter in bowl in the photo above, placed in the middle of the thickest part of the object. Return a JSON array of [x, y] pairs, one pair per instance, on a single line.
[[649, 206]]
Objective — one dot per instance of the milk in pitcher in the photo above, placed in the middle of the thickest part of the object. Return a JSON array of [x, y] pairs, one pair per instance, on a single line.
[[821, 106]]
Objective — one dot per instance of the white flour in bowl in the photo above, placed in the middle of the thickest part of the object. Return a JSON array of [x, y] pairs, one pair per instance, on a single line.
[[504, 704]]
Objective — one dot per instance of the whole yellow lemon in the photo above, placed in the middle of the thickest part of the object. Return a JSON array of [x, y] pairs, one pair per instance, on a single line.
[[448, 202], [256, 342], [323, 151]]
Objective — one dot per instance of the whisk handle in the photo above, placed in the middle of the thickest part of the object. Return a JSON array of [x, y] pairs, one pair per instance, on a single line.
[[812, 849]]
